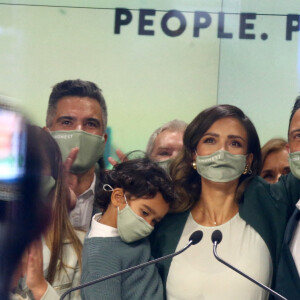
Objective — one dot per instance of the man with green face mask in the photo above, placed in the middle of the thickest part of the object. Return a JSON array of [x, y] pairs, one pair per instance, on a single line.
[[77, 118], [288, 280]]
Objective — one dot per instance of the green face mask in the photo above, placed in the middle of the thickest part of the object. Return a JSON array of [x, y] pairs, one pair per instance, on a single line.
[[221, 166], [91, 148], [294, 161], [165, 164], [132, 227]]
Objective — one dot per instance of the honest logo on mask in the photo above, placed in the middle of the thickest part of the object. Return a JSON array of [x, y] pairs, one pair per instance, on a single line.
[[213, 158], [63, 136], [221, 166], [91, 148]]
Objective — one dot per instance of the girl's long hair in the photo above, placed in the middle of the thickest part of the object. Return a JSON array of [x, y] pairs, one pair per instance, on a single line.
[[61, 228]]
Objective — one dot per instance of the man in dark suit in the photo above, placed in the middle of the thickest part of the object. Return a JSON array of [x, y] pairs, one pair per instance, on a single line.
[[288, 280]]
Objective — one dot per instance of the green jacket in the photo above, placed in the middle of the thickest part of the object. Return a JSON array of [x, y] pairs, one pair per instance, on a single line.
[[265, 207], [288, 281]]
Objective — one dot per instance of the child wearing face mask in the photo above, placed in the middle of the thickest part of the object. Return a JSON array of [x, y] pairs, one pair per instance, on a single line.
[[134, 196]]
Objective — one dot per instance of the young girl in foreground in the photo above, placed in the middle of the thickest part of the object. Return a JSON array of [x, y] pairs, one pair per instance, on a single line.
[[135, 196]]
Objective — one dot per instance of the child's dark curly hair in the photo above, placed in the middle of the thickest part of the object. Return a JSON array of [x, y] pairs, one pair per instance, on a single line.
[[139, 178]]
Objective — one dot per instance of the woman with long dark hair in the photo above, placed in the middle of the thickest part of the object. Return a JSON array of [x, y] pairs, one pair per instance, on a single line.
[[216, 181]]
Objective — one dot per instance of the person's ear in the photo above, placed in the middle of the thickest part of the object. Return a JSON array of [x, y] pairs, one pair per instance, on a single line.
[[105, 137], [194, 156], [117, 197], [287, 146]]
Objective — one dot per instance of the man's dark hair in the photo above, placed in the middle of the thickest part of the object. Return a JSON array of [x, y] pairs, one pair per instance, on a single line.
[[295, 108], [77, 88]]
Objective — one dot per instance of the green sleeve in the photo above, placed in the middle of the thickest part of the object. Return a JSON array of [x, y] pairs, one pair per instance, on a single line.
[[100, 258], [106, 290]]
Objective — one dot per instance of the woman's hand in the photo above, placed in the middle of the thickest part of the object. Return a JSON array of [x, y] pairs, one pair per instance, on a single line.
[[71, 179], [121, 156], [33, 269]]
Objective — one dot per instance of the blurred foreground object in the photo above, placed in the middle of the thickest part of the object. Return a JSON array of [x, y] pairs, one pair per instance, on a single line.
[[23, 216]]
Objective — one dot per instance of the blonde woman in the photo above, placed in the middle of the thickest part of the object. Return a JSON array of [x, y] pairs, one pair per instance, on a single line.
[[275, 160]]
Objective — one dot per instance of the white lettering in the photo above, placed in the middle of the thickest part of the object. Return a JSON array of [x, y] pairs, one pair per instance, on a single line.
[[213, 158], [297, 158], [63, 136]]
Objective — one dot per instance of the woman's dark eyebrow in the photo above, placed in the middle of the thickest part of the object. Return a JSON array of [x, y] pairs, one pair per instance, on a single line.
[[232, 136], [211, 133]]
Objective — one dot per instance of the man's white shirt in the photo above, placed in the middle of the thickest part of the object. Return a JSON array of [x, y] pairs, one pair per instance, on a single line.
[[81, 215]]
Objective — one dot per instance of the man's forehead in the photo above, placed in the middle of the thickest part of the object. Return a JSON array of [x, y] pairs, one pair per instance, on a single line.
[[170, 133], [71, 105], [169, 136]]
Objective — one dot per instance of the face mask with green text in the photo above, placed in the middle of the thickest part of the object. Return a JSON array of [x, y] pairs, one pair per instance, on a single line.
[[91, 148], [221, 166]]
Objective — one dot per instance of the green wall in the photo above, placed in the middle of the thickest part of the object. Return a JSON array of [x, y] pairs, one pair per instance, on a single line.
[[148, 80]]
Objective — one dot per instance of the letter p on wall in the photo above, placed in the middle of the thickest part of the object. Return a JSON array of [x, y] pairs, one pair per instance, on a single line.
[[292, 25], [123, 17]]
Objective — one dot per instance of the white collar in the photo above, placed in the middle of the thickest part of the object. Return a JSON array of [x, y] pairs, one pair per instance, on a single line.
[[91, 189], [101, 230]]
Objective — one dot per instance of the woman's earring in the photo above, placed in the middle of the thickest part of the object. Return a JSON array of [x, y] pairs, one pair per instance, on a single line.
[[194, 165], [247, 170]]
